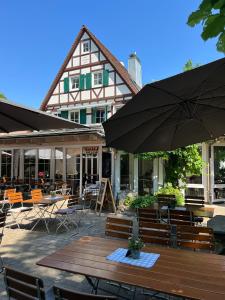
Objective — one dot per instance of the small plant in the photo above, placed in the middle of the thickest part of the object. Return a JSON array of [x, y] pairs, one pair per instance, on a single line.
[[135, 243], [129, 199], [53, 193]]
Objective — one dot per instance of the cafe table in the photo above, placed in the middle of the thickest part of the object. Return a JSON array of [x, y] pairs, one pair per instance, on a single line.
[[46, 206], [177, 272]]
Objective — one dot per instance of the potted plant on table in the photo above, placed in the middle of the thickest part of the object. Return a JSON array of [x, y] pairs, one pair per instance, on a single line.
[[135, 244]]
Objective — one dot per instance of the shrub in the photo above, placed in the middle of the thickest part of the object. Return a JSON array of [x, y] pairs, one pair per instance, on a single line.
[[129, 199], [142, 201], [168, 189]]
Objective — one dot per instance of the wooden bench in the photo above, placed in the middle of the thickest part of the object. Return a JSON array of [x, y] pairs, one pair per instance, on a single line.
[[155, 233], [148, 215], [195, 200], [119, 227]]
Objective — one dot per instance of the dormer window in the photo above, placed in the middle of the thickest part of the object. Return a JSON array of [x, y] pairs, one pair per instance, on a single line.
[[74, 83], [97, 79], [86, 47]]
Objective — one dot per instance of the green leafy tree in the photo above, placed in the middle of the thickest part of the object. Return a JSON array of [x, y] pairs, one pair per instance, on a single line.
[[189, 65], [2, 96], [211, 14], [179, 163]]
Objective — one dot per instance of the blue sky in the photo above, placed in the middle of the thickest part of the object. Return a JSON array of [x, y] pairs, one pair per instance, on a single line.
[[35, 37]]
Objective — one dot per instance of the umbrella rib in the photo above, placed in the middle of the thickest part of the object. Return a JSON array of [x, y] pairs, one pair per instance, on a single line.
[[166, 92], [18, 121], [209, 98], [212, 106], [209, 91], [207, 79], [135, 113], [158, 127], [143, 124]]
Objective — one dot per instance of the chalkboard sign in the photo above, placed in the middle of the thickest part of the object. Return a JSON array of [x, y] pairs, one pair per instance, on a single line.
[[105, 195]]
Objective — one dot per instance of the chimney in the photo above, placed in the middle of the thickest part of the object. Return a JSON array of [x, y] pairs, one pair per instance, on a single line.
[[134, 69]]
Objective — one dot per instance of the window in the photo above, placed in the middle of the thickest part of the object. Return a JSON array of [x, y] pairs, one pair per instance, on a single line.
[[86, 47], [6, 163], [44, 160], [98, 80], [100, 115], [75, 116], [74, 83]]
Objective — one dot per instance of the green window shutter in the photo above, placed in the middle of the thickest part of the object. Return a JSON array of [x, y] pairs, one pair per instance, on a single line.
[[105, 77], [88, 81], [64, 114], [93, 115], [66, 85], [81, 82], [83, 116], [106, 113]]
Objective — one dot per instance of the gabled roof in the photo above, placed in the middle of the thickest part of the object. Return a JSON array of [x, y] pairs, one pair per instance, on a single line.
[[121, 70]]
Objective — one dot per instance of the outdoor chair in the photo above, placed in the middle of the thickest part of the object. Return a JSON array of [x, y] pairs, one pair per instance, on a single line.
[[155, 233], [195, 238], [118, 227], [16, 208], [180, 217], [197, 201], [7, 192], [64, 294], [67, 216], [148, 215], [2, 226], [22, 286]]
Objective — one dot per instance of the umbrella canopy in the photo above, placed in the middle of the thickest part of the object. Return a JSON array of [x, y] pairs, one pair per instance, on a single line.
[[175, 112], [14, 117]]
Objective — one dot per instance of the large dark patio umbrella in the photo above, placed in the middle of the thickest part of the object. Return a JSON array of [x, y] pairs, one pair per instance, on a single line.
[[178, 111], [18, 118]]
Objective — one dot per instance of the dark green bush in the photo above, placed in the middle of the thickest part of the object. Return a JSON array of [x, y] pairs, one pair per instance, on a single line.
[[142, 201], [168, 189]]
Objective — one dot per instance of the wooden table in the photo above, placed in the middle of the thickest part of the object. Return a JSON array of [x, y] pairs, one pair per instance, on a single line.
[[177, 272]]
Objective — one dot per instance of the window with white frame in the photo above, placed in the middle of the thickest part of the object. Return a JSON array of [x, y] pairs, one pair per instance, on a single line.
[[75, 116], [97, 79], [100, 115], [74, 83], [85, 47]]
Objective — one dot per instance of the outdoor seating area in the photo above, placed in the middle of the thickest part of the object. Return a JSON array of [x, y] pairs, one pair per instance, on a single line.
[[170, 233]]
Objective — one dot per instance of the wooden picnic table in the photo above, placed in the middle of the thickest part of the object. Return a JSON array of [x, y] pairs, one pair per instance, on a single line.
[[177, 272]]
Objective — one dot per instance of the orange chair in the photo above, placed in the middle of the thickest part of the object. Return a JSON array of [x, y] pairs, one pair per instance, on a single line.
[[8, 192], [16, 199]]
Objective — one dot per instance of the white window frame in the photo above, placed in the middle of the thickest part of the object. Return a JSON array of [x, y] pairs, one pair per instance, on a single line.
[[102, 109], [84, 43], [75, 111], [93, 79], [71, 78]]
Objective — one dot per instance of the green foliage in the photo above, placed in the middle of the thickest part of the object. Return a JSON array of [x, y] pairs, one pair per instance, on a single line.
[[179, 163], [2, 96], [135, 243], [129, 199], [168, 189], [211, 13], [189, 65], [140, 201]]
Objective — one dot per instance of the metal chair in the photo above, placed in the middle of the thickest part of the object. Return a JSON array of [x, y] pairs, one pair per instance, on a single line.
[[16, 199], [64, 294], [22, 286], [66, 216]]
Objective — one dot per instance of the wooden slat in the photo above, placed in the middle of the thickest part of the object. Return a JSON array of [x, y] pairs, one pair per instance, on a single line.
[[156, 226], [22, 276], [14, 294], [116, 227], [121, 235], [195, 245], [154, 240], [17, 285], [150, 232], [195, 229], [119, 221], [194, 237]]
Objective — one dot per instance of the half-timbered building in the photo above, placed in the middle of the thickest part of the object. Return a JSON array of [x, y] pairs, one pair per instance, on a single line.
[[91, 85]]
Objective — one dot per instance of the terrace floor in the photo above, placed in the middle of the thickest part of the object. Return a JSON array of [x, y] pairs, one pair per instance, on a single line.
[[22, 248]]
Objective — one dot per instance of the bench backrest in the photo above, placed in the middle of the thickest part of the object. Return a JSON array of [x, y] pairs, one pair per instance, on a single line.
[[154, 233], [119, 227], [148, 215], [194, 200], [22, 286]]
